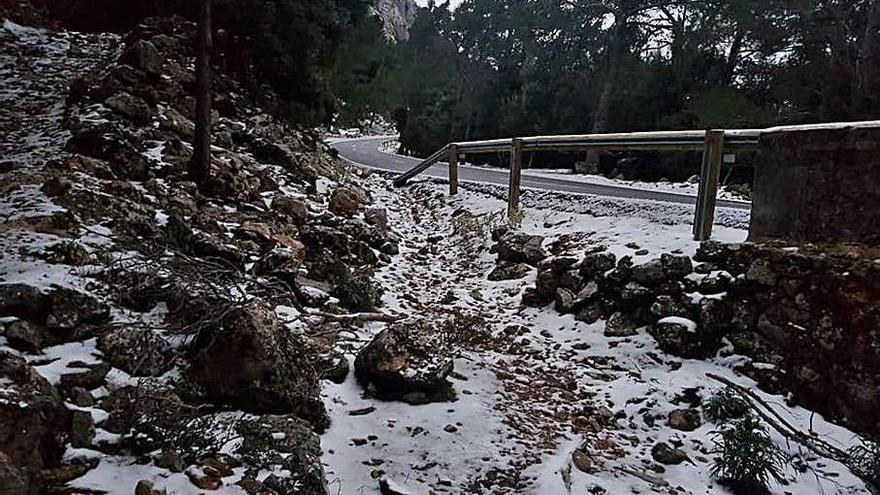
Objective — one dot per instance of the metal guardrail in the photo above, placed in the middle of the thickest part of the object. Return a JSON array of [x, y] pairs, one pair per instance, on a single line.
[[713, 144]]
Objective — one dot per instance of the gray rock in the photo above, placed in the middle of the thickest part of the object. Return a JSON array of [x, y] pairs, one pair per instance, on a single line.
[[650, 273], [564, 302], [664, 454], [595, 264], [677, 338], [684, 419], [506, 270], [618, 325], [590, 313], [33, 425], [546, 283], [407, 356], [82, 429], [254, 363], [676, 265], [761, 272], [269, 441], [144, 56], [346, 200], [130, 106], [519, 247], [138, 351]]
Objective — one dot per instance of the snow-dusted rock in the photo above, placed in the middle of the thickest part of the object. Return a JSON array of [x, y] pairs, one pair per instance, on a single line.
[[407, 356], [33, 425], [254, 363]]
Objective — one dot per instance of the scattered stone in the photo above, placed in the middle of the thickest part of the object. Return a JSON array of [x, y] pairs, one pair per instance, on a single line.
[[82, 429], [506, 270], [33, 422], [130, 106], [363, 411], [684, 419], [564, 300], [518, 247], [677, 336], [618, 325], [145, 487], [450, 428], [664, 454], [346, 201], [139, 351], [170, 460], [295, 208]]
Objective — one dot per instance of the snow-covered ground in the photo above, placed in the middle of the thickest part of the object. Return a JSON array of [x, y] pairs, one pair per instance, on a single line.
[[516, 422]]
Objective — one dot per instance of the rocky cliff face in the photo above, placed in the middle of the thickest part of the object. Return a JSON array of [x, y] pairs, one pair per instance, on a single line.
[[397, 17]]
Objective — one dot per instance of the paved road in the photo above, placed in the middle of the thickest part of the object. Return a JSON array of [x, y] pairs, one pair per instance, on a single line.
[[365, 152]]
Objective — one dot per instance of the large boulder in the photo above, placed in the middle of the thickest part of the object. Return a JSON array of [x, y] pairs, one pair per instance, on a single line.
[[144, 56], [519, 247], [287, 442], [405, 357], [252, 362], [33, 426]]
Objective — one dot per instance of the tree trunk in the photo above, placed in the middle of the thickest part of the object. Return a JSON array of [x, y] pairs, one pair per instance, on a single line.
[[869, 61], [600, 120], [200, 166]]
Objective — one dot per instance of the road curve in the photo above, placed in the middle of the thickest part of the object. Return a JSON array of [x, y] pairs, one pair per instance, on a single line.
[[365, 152]]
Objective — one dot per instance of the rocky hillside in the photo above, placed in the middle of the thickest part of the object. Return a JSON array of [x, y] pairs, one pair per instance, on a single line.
[[147, 321], [397, 17]]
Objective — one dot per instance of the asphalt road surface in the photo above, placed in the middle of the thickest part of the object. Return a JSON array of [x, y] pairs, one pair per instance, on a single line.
[[365, 152]]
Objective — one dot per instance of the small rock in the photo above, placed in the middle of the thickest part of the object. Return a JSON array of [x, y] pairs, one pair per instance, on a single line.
[[170, 460], [619, 325], [684, 419], [363, 411], [664, 454], [56, 186], [357, 442], [564, 300], [82, 429], [507, 270], [450, 428], [346, 201], [204, 478]]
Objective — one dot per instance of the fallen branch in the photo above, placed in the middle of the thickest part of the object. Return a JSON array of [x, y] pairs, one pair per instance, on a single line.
[[786, 429], [357, 317], [771, 417]]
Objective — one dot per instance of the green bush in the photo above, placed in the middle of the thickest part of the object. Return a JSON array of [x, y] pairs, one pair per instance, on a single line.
[[725, 405], [359, 294], [865, 460], [747, 459]]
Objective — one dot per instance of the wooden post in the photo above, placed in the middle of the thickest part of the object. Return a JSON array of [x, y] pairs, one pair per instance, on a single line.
[[515, 177], [453, 169], [707, 196]]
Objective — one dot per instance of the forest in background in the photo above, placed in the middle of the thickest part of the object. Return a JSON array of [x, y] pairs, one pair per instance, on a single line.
[[500, 68]]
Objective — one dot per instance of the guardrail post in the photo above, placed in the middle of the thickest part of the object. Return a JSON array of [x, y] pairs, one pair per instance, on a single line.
[[453, 169], [707, 196], [516, 147]]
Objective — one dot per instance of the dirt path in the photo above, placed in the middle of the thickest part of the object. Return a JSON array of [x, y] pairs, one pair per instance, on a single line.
[[545, 404]]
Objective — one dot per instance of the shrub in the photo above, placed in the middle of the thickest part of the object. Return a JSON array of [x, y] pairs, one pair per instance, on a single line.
[[864, 459], [724, 406], [359, 294], [747, 457]]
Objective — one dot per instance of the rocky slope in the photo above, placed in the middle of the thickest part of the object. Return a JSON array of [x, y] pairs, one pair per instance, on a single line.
[[397, 17], [147, 321]]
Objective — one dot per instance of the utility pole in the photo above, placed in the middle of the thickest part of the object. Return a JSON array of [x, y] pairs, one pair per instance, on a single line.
[[200, 165]]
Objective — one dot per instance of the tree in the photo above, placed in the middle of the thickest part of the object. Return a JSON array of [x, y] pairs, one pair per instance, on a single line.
[[200, 164]]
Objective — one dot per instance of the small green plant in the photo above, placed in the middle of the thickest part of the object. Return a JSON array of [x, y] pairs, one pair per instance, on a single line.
[[864, 459], [747, 459], [359, 294], [725, 405]]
